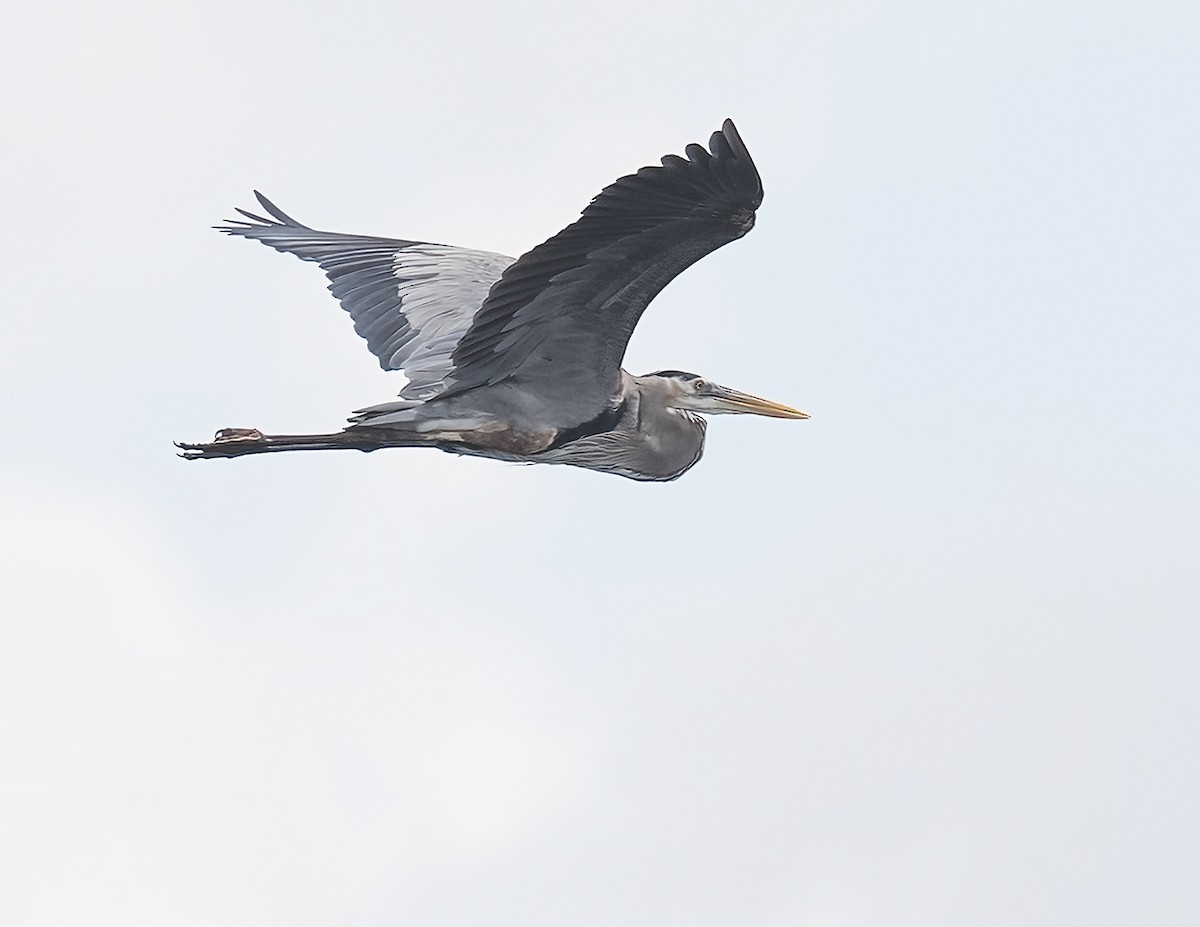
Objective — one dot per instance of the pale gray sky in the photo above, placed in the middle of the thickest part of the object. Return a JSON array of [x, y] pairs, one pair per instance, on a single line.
[[927, 659]]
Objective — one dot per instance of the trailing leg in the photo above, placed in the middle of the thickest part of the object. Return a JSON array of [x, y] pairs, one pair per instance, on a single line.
[[237, 442]]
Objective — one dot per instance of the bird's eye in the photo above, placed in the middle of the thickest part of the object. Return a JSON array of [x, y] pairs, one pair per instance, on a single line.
[[698, 385]]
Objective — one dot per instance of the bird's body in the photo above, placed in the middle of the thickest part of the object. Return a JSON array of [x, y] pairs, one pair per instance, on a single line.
[[521, 359]]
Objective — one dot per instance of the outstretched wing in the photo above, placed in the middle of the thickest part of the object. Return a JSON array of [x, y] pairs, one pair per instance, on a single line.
[[411, 300], [558, 321]]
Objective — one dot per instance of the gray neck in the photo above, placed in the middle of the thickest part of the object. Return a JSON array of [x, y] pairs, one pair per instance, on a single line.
[[650, 441], [670, 440]]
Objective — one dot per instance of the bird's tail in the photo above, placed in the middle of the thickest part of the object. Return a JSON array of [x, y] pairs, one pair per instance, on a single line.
[[237, 442]]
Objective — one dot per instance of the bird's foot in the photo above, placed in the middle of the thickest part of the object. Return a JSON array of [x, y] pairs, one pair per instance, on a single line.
[[237, 434], [222, 444]]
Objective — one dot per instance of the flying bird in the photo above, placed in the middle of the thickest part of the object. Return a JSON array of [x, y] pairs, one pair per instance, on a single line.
[[520, 359]]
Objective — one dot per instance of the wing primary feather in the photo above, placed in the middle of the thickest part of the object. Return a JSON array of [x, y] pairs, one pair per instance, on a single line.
[[249, 215], [276, 212]]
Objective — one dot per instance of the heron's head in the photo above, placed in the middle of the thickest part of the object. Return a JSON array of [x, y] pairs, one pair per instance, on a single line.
[[694, 393]]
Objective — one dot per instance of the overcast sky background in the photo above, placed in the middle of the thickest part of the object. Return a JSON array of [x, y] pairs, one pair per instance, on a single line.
[[929, 658]]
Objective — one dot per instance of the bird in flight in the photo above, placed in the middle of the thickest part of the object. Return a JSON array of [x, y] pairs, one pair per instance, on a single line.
[[520, 359]]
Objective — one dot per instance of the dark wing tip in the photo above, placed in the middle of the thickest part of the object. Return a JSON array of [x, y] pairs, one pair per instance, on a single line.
[[279, 219], [729, 130], [275, 212], [729, 149], [720, 181]]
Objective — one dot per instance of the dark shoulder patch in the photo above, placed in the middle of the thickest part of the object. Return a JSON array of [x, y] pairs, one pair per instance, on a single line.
[[605, 421]]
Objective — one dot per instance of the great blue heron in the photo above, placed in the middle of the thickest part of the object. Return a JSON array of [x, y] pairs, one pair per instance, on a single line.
[[520, 359]]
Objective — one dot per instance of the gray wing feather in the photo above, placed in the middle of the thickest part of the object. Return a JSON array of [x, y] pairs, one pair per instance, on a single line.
[[411, 300], [559, 319]]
